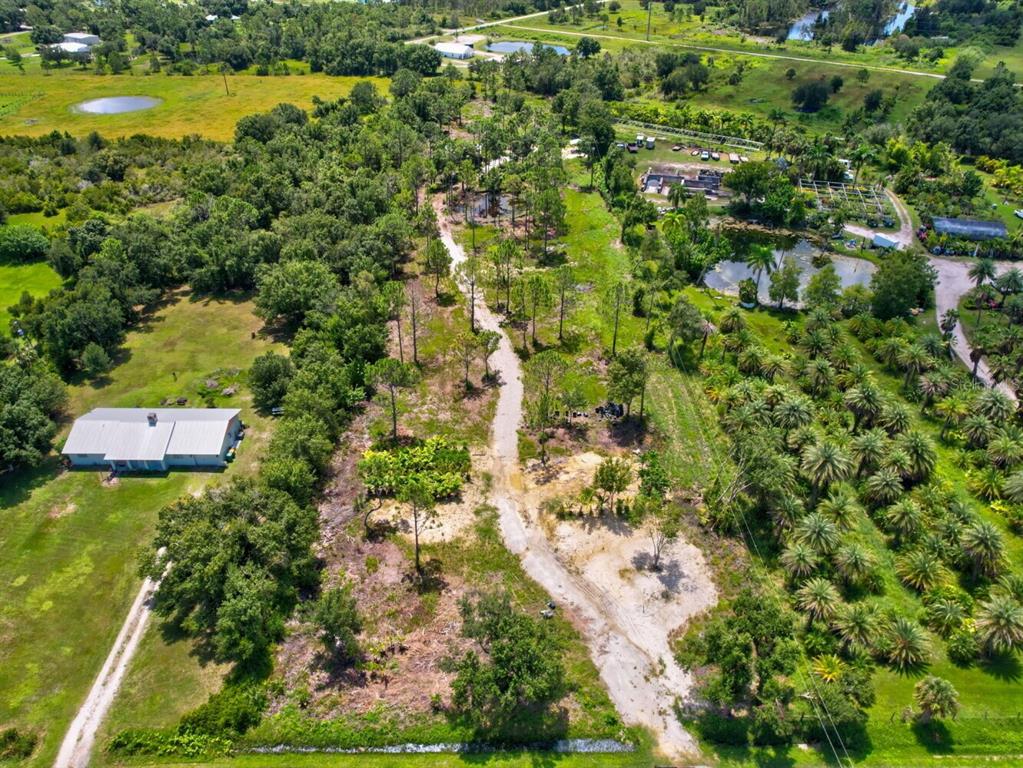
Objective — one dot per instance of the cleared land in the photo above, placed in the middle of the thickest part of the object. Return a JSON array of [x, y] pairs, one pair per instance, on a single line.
[[68, 541], [36, 103]]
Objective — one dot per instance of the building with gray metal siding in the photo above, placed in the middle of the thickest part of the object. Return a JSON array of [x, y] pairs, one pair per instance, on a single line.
[[152, 439], [970, 229]]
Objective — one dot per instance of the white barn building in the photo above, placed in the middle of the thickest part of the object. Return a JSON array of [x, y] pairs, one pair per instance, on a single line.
[[152, 439], [454, 50], [82, 38]]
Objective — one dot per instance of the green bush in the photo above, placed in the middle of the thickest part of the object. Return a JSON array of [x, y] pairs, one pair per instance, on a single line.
[[443, 467], [227, 714], [162, 741], [16, 745], [22, 243]]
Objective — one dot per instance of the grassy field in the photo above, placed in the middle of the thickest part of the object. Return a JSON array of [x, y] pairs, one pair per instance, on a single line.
[[711, 31], [37, 102], [68, 541], [15, 279]]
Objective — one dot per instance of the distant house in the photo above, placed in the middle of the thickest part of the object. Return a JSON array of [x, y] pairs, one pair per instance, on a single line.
[[883, 241], [152, 439], [83, 38], [970, 229], [454, 50]]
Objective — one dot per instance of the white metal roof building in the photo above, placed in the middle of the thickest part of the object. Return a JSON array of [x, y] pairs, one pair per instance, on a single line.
[[152, 439], [83, 38], [72, 48], [454, 50]]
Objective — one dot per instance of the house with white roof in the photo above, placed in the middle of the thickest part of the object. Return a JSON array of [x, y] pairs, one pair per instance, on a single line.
[[454, 50], [73, 49], [82, 38], [152, 439]]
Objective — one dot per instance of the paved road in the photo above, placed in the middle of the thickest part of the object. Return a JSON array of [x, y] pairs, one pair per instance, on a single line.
[[76, 748], [642, 677], [954, 281]]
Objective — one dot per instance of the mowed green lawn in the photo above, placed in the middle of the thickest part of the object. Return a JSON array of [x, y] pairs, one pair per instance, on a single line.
[[36, 102], [15, 279], [68, 542]]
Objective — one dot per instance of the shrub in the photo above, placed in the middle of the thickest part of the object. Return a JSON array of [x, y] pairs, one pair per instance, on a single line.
[[962, 647], [439, 464], [16, 745], [227, 714], [22, 243]]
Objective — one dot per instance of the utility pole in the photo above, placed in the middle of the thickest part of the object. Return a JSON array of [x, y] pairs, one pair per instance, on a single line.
[[223, 73]]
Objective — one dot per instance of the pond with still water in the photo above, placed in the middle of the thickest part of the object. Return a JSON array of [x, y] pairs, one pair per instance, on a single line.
[[514, 46], [726, 275], [116, 105]]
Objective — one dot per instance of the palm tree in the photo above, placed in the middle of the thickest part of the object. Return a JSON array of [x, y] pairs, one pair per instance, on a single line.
[[884, 486], [983, 545], [793, 412], [936, 697], [677, 195], [761, 259], [817, 532], [914, 361], [857, 625], [978, 430], [907, 645], [819, 599], [904, 521], [840, 506], [985, 482], [1000, 624], [920, 569], [829, 668], [981, 271], [825, 463], [868, 450], [1013, 489], [799, 560], [1005, 451], [897, 460], [890, 350], [894, 417], [732, 321], [945, 615], [921, 453], [865, 403], [820, 376], [855, 563], [954, 409], [996, 405]]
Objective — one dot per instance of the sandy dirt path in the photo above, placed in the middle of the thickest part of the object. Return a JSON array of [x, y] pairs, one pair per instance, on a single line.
[[904, 237], [954, 281], [641, 676], [76, 748]]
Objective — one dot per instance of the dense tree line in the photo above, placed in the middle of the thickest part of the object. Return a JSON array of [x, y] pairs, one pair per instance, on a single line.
[[355, 39], [975, 118]]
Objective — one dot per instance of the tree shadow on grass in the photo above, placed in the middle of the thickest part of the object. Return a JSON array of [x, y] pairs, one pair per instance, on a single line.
[[17, 485], [628, 432], [934, 736], [1004, 667]]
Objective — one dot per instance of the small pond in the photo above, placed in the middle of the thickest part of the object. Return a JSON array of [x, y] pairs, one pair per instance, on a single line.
[[898, 22], [116, 105], [725, 275], [484, 206], [802, 28], [514, 46]]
